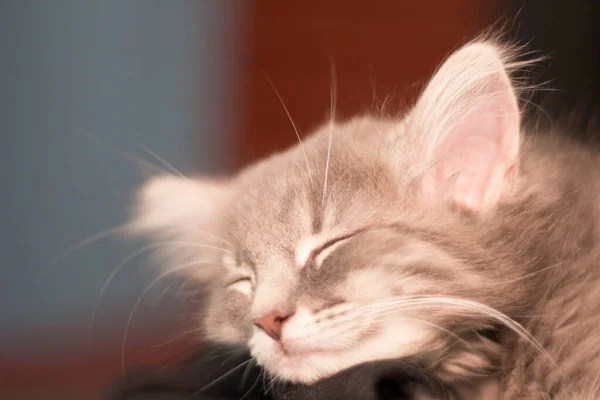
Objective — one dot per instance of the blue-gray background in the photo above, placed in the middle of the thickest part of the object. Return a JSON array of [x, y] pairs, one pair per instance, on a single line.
[[80, 82]]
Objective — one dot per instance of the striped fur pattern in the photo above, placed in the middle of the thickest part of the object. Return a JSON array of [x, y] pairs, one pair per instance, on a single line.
[[450, 236]]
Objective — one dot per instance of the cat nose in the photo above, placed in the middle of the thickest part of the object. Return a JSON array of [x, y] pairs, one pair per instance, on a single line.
[[272, 323]]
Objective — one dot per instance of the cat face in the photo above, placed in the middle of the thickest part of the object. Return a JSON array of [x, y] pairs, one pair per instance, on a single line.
[[319, 297], [355, 245]]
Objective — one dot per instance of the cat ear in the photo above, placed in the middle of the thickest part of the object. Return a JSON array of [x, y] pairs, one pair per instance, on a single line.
[[177, 207], [179, 215], [468, 121]]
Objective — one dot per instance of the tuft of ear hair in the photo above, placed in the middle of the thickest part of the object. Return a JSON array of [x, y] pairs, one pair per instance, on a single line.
[[467, 126], [177, 214], [169, 206]]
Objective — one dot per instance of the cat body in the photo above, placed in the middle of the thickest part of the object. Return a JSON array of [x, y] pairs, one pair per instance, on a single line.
[[451, 237]]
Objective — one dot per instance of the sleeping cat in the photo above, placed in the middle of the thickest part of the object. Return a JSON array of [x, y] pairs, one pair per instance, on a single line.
[[451, 237]]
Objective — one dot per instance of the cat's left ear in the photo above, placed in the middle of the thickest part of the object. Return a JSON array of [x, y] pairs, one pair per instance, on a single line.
[[177, 207], [467, 124], [179, 216]]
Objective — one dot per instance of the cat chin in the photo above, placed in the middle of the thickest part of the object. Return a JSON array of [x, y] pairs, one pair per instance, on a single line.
[[304, 368], [310, 366]]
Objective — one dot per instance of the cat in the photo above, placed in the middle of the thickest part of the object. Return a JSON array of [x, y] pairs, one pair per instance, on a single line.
[[453, 236]]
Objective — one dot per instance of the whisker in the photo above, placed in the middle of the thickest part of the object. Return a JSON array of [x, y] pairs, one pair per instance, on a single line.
[[121, 229], [245, 374], [293, 126], [175, 338], [217, 351], [350, 323], [332, 104], [162, 161], [251, 388], [382, 107], [212, 355], [128, 259], [535, 273], [86, 241], [433, 325], [446, 304], [227, 359], [415, 305], [140, 162], [144, 292], [483, 309], [264, 383], [183, 285], [163, 294], [372, 81], [446, 308], [213, 235], [222, 377], [271, 383]]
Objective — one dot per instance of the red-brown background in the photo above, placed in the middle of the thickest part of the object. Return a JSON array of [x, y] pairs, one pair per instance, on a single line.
[[385, 48]]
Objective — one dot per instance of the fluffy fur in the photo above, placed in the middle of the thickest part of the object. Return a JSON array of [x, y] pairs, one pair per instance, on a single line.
[[451, 237]]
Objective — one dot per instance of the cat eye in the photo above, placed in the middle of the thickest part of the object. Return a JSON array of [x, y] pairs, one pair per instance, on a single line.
[[242, 285], [333, 242], [241, 280], [319, 254]]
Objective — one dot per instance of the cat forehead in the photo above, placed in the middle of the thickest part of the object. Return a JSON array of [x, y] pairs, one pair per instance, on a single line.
[[283, 200], [358, 148], [298, 225]]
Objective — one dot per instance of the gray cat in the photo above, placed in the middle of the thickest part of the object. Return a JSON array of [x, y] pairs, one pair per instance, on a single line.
[[451, 237]]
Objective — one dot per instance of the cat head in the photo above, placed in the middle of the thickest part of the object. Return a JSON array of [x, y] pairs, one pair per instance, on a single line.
[[364, 242]]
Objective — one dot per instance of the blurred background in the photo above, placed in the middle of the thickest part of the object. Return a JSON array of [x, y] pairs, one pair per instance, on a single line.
[[92, 93]]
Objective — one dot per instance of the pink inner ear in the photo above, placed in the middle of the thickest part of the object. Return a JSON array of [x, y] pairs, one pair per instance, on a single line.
[[472, 161], [473, 158]]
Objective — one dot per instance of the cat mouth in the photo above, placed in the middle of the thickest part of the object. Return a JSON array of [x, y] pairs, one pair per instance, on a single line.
[[294, 364], [292, 351], [298, 367]]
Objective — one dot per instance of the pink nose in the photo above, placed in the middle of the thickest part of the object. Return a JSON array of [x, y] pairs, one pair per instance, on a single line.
[[272, 323]]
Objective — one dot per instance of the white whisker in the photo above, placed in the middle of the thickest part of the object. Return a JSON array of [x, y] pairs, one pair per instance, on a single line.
[[245, 374], [163, 294], [162, 160], [472, 306], [129, 258], [271, 384], [433, 325], [212, 355], [222, 377], [212, 235], [144, 292], [183, 285], [382, 107], [244, 377], [530, 275], [293, 126], [416, 305], [251, 388], [215, 236], [264, 382], [131, 158], [91, 239], [175, 338], [333, 100]]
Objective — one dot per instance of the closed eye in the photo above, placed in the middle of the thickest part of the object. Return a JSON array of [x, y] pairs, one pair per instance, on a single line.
[[330, 243], [319, 254], [242, 285], [333, 242], [240, 279]]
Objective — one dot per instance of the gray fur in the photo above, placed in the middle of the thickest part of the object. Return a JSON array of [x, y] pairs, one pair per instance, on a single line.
[[533, 257]]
